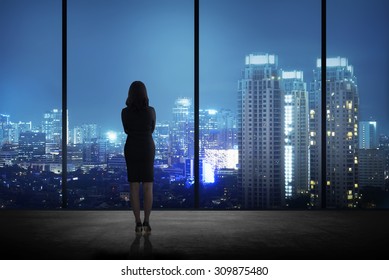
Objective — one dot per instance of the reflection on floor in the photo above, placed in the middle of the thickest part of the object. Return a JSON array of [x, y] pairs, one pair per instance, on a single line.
[[319, 234]]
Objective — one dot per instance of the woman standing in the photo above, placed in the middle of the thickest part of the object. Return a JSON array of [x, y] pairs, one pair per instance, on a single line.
[[138, 120]]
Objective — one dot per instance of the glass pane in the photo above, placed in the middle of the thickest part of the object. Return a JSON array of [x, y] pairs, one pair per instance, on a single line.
[[357, 98], [110, 45], [256, 62], [30, 104]]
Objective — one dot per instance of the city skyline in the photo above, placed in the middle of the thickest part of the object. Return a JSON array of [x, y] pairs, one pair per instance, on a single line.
[[261, 152], [99, 62]]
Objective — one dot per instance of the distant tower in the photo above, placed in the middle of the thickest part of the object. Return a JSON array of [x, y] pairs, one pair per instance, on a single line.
[[77, 135], [371, 157], [208, 130], [94, 147], [4, 129], [227, 137], [372, 168], [342, 110], [32, 146], [368, 137], [182, 130], [52, 126], [296, 133], [261, 133], [162, 142]]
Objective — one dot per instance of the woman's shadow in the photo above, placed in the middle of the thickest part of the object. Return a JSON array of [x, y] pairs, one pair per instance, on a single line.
[[139, 250]]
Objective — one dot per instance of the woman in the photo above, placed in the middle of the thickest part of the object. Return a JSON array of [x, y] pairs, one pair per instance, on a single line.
[[138, 120]]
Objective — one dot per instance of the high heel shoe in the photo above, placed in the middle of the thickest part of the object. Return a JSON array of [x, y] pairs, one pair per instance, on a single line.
[[138, 228], [146, 227]]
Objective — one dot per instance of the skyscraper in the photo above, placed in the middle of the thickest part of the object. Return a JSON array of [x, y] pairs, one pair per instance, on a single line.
[[296, 133], [368, 137], [162, 143], [372, 168], [227, 138], [52, 126], [209, 130], [32, 146], [261, 133], [342, 109], [182, 130], [4, 129]]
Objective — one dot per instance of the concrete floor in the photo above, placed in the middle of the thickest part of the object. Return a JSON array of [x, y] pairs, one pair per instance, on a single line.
[[276, 235]]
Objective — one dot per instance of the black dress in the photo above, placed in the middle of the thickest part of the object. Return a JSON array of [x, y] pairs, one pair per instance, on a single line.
[[139, 149]]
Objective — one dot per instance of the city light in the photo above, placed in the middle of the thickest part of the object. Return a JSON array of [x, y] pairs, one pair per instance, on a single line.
[[112, 136], [208, 173]]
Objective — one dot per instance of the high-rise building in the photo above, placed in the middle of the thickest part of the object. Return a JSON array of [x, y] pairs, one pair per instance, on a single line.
[[372, 168], [14, 130], [52, 126], [95, 152], [342, 109], [368, 137], [85, 133], [4, 129], [182, 130], [32, 146], [261, 133], [77, 135], [227, 138], [314, 149], [208, 130], [296, 133], [384, 146], [162, 143]]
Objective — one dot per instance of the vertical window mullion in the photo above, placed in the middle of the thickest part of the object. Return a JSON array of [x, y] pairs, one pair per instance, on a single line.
[[196, 106], [64, 104], [323, 102]]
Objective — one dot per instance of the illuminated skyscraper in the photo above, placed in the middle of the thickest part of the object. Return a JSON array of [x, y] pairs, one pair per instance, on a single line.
[[261, 133], [342, 109], [162, 143], [368, 137], [296, 133], [227, 138], [371, 156], [372, 168], [209, 130], [4, 129], [16, 128], [32, 146], [52, 126], [182, 130]]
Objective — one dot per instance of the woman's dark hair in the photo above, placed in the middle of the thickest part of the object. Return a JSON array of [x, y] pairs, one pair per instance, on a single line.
[[137, 96]]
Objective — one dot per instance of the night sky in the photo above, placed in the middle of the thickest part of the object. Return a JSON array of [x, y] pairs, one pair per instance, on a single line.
[[112, 43]]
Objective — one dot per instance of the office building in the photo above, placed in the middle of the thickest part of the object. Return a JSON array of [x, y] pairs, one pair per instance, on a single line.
[[296, 133], [368, 137], [32, 146], [162, 143], [182, 130], [261, 133], [342, 110], [372, 168]]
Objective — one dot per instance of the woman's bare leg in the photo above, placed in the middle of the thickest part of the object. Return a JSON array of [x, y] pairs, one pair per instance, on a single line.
[[147, 199], [134, 199]]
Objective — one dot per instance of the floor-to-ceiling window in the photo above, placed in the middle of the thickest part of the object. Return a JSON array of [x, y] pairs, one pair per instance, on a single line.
[[357, 104], [110, 45], [30, 104], [256, 62]]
